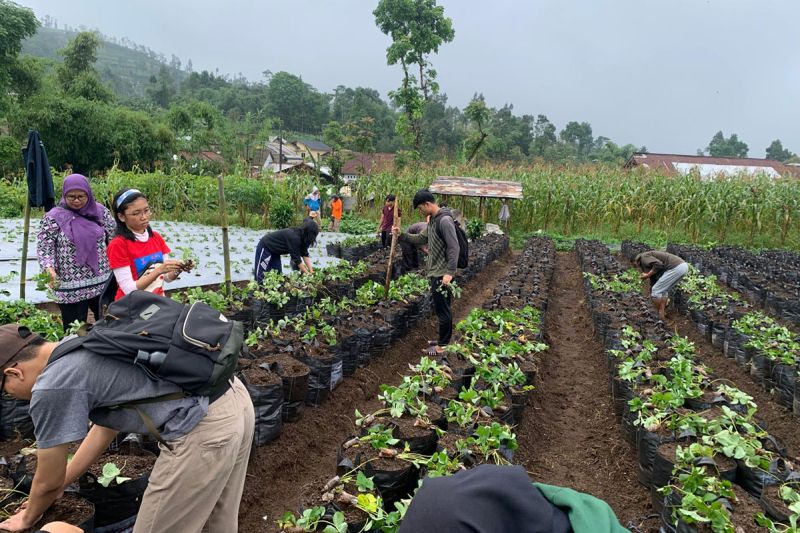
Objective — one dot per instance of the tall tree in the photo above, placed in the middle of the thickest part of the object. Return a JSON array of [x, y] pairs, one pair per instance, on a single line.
[[777, 152], [477, 113], [417, 28], [299, 106], [77, 74], [16, 23], [579, 136], [730, 147], [544, 136]]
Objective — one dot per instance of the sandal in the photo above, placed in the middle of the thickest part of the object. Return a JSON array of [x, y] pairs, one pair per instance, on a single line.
[[432, 349]]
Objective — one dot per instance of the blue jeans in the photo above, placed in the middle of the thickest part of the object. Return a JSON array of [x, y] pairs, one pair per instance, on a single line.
[[265, 260]]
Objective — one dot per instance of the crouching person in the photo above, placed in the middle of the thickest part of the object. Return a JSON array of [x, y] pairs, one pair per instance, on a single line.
[[198, 479]]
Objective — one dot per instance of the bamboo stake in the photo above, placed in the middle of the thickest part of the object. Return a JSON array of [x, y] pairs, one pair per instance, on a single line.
[[225, 245], [395, 224], [23, 270]]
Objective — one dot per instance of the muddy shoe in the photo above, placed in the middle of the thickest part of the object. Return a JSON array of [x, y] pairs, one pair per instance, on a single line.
[[433, 349]]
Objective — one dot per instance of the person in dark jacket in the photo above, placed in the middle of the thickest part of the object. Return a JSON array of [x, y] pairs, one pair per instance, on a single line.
[[442, 261], [502, 499], [293, 241], [664, 270], [410, 251]]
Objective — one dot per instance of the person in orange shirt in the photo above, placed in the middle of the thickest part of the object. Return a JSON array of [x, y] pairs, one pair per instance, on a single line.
[[336, 213]]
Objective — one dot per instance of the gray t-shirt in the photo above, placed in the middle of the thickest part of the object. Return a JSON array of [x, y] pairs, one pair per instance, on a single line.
[[79, 387]]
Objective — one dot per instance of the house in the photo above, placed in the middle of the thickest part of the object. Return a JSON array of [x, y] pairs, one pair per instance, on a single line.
[[311, 149], [363, 164], [277, 154], [711, 167]]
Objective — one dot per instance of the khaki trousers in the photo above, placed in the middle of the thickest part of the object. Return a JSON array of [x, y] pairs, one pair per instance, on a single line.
[[198, 485]]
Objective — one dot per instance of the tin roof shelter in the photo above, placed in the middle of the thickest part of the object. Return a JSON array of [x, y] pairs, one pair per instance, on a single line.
[[457, 186], [462, 186]]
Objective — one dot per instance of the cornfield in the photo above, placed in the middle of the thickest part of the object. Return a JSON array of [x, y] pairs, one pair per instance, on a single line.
[[587, 200]]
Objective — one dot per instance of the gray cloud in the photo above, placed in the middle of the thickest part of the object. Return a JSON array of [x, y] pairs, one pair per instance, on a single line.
[[664, 73]]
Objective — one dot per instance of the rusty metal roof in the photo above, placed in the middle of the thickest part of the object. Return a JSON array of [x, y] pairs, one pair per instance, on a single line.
[[678, 163], [458, 186]]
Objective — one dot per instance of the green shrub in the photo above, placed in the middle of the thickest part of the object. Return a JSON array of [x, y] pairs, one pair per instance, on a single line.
[[281, 214], [475, 227]]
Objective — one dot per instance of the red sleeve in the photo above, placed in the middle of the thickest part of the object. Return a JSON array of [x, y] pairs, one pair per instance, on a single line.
[[163, 245], [118, 253]]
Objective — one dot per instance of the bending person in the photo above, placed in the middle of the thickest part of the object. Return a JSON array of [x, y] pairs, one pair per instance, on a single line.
[[293, 241], [71, 248], [664, 271]]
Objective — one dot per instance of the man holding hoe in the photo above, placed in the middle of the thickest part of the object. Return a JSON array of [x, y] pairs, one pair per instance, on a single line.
[[441, 263]]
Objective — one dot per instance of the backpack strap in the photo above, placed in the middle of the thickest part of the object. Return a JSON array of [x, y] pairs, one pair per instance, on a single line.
[[146, 420], [66, 347]]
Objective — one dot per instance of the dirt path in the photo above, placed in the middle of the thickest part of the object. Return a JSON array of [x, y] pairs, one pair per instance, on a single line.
[[305, 453], [776, 419], [569, 436]]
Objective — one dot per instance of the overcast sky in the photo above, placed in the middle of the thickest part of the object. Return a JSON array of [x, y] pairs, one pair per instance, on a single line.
[[666, 74]]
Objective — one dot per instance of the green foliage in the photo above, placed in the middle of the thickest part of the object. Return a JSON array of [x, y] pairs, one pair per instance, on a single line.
[[16, 23], [111, 473], [37, 320], [730, 147], [417, 28], [281, 214], [356, 225], [475, 228], [777, 152]]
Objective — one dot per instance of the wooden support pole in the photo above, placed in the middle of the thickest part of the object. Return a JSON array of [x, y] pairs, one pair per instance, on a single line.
[[23, 269], [225, 244], [395, 224]]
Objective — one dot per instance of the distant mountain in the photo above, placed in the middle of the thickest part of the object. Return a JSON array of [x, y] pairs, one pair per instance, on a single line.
[[127, 70]]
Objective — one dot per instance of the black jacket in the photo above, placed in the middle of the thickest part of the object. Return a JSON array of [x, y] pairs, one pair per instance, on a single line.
[[292, 241]]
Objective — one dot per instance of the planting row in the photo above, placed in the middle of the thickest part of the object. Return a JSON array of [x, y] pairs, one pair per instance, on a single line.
[[297, 361], [768, 350], [770, 280], [447, 414], [708, 462]]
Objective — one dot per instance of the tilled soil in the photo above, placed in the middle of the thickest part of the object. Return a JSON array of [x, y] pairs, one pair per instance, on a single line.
[[778, 420], [281, 472], [569, 435]]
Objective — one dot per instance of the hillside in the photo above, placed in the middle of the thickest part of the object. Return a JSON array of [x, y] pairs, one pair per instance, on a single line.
[[127, 71]]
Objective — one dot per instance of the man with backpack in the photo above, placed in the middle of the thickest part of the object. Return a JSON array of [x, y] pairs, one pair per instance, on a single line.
[[199, 476], [447, 252]]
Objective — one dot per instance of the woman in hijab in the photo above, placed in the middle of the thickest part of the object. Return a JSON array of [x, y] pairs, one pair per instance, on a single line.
[[293, 241], [313, 203], [71, 248]]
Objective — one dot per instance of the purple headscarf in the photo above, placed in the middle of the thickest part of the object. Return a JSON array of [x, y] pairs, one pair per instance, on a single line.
[[83, 227]]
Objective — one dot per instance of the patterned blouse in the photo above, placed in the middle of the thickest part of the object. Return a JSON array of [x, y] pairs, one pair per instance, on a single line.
[[76, 282]]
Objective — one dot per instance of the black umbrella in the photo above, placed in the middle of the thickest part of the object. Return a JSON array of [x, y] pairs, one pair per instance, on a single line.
[[41, 192]]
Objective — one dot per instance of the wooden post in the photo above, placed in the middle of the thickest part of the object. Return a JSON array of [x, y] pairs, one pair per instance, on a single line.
[[481, 212], [225, 245], [395, 224], [23, 270]]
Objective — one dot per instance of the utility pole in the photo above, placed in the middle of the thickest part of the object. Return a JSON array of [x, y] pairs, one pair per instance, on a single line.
[[280, 153]]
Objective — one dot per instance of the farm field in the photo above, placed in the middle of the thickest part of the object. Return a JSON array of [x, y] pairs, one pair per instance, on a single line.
[[559, 364], [203, 243]]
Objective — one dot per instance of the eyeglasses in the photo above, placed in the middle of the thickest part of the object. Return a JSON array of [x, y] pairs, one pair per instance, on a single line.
[[76, 198], [144, 212]]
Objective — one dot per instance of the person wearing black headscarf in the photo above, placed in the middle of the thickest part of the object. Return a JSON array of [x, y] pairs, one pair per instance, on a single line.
[[502, 499], [293, 241]]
